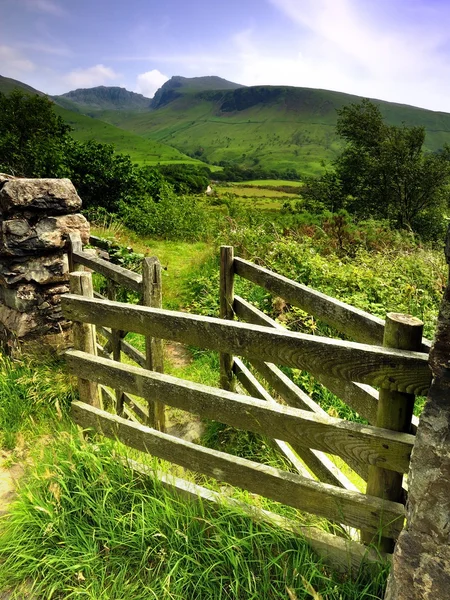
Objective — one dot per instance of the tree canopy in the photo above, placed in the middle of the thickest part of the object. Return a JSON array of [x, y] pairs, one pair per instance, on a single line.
[[33, 138], [383, 171]]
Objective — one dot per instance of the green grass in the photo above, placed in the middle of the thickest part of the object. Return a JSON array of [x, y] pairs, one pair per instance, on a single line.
[[294, 129], [253, 192], [178, 259], [142, 151], [268, 183], [32, 391], [85, 526]]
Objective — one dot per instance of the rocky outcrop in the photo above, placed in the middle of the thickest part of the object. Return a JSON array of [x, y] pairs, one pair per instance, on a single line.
[[421, 562], [36, 216], [38, 196]]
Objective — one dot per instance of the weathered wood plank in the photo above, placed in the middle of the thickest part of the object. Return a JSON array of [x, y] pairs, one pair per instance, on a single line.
[[154, 357], [126, 347], [395, 410], [226, 295], [357, 324], [322, 467], [335, 504], [99, 242], [249, 313], [342, 554], [362, 398], [74, 245], [114, 345], [297, 398], [250, 384], [122, 276], [386, 368], [335, 436], [84, 336], [138, 409], [109, 399]]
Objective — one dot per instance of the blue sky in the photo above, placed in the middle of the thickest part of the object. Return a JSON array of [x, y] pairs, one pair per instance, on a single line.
[[397, 50]]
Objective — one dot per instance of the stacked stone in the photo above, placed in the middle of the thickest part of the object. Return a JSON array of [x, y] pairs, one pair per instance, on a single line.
[[36, 216]]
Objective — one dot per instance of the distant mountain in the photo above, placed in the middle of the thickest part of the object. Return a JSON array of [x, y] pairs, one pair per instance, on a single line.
[[177, 86], [277, 127], [7, 85], [142, 151], [218, 122], [102, 98]]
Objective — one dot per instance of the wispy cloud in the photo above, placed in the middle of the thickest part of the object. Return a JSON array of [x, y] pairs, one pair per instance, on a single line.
[[90, 77], [47, 48], [386, 50], [13, 63], [50, 7]]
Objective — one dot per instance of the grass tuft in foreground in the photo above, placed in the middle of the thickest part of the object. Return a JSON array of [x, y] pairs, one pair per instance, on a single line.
[[85, 526]]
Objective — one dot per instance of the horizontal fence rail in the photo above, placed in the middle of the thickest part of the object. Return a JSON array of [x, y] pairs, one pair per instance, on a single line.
[[387, 368], [349, 320], [118, 274], [336, 504], [373, 445], [362, 398]]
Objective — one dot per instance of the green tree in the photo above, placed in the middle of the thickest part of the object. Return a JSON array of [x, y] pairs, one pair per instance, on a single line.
[[33, 138], [102, 177], [383, 171]]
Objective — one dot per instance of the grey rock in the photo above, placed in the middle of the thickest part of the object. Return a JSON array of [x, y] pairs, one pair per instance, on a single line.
[[19, 237], [51, 196], [40, 269]]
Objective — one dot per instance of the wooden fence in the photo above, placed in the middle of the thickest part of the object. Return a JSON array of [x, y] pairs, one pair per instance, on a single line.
[[389, 355]]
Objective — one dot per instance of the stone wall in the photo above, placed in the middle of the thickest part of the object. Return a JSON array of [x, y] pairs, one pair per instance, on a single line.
[[421, 562], [36, 216]]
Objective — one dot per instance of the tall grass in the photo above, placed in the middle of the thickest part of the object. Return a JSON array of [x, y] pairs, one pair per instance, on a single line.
[[32, 391], [85, 526]]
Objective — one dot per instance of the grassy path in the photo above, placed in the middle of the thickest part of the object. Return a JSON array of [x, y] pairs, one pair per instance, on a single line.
[[178, 259]]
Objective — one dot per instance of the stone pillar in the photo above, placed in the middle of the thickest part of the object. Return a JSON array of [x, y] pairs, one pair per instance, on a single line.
[[421, 562], [36, 216]]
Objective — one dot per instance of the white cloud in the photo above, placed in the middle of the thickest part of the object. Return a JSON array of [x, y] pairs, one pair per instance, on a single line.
[[13, 63], [388, 50], [148, 83], [90, 77]]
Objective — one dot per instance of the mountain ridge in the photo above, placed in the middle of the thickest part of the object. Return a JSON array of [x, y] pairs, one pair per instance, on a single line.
[[103, 98], [275, 127]]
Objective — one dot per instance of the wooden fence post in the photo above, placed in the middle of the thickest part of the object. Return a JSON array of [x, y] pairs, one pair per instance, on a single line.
[[84, 336], [116, 338], [75, 244], [395, 410], [227, 381], [154, 357]]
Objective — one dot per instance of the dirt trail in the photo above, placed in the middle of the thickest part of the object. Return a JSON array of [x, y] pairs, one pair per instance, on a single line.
[[8, 481], [179, 422]]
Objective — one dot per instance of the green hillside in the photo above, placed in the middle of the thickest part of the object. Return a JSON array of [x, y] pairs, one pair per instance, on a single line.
[[275, 127], [7, 85], [143, 151]]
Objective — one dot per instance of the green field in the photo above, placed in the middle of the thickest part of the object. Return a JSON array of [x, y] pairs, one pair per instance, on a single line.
[[271, 183], [252, 192]]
